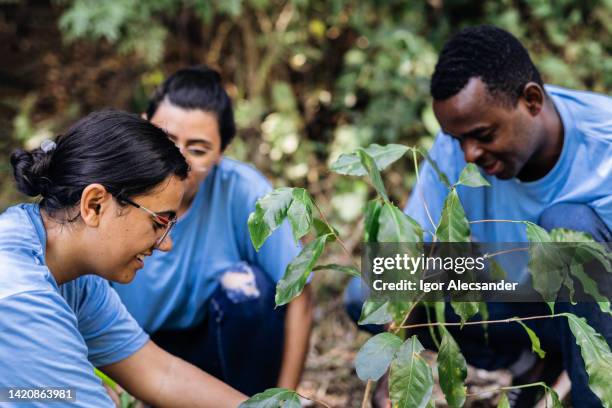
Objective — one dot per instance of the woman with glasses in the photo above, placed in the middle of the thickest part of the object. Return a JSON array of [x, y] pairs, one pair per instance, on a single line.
[[211, 300], [111, 187]]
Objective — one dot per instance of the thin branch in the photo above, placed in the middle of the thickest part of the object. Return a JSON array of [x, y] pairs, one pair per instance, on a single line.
[[513, 387], [340, 241], [214, 53], [314, 400], [510, 320], [366, 394], [431, 329], [416, 171], [512, 221], [507, 251]]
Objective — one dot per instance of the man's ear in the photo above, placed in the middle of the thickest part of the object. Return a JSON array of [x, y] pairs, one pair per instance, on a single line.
[[95, 200], [533, 97]]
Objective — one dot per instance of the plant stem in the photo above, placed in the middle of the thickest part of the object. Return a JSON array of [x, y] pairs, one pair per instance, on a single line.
[[314, 400], [432, 333], [510, 320], [507, 251], [416, 171], [479, 221], [340, 241], [513, 387], [366, 394]]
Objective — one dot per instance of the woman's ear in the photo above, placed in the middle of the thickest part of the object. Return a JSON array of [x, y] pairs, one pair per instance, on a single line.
[[94, 202]]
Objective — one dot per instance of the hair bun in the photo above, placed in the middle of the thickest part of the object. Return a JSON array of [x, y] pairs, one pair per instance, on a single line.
[[30, 170]]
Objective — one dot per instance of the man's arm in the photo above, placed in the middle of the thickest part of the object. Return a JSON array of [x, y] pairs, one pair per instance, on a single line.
[[298, 323], [163, 380]]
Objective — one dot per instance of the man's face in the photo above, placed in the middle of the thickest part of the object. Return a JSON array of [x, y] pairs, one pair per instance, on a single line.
[[498, 138]]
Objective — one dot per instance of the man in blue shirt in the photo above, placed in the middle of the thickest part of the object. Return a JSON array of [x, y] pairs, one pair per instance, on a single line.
[[211, 300], [547, 153]]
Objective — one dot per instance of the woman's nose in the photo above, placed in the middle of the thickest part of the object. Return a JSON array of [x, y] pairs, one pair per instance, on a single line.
[[166, 244]]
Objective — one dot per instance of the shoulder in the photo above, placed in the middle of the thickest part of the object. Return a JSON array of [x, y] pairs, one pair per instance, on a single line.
[[242, 179], [21, 254], [17, 229], [588, 112]]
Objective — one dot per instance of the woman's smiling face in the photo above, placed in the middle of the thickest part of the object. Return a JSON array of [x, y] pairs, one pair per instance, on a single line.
[[126, 235]]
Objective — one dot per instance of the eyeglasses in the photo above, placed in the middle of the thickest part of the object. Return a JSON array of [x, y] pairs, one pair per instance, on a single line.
[[165, 222]]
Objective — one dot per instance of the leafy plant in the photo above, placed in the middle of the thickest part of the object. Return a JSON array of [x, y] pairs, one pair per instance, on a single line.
[[411, 378]]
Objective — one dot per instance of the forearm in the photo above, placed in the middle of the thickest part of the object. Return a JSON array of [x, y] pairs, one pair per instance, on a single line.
[[298, 323], [163, 380]]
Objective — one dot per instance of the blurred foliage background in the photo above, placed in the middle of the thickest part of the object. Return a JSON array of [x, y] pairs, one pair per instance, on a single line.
[[310, 79]]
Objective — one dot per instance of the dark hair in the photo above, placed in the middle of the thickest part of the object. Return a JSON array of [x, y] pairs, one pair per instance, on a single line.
[[489, 53], [126, 154], [198, 87]]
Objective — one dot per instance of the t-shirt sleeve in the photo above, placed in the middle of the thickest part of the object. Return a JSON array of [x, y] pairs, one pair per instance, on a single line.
[[280, 247], [110, 332], [427, 197], [40, 346]]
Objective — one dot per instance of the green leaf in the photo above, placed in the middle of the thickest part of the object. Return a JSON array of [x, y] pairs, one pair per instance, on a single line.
[[596, 355], [410, 379], [452, 369], [536, 234], [351, 164], [270, 212], [371, 220], [349, 270], [453, 226], [590, 286], [323, 229], [503, 402], [556, 402], [398, 310], [435, 167], [395, 226], [300, 213], [465, 310], [566, 235], [297, 272], [497, 272], [568, 282], [375, 355], [375, 312], [125, 399], [535, 340], [470, 176], [273, 398], [368, 162], [546, 264], [584, 247]]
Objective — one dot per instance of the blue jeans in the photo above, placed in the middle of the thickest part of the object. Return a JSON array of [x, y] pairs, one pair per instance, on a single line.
[[506, 342], [241, 338]]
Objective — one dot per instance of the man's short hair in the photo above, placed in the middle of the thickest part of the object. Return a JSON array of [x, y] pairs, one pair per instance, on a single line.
[[198, 87], [489, 53]]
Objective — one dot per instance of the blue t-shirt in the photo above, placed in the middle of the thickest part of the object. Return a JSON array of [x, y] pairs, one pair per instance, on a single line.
[[582, 174], [171, 290], [50, 335]]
